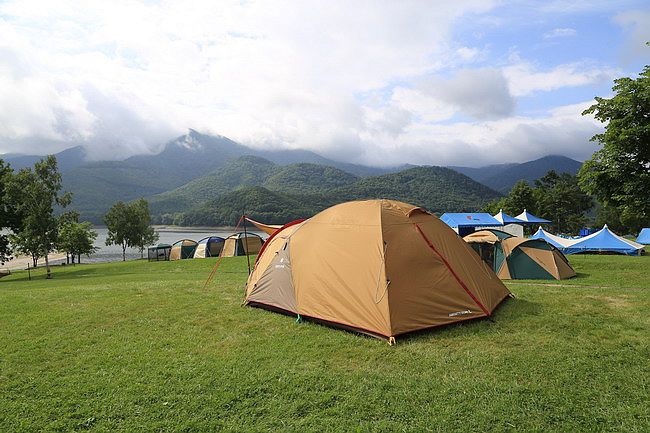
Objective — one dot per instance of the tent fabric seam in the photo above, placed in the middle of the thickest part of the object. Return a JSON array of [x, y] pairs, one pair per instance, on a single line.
[[444, 260]]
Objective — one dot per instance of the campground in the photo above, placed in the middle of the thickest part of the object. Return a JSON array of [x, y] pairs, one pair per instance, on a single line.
[[141, 346]]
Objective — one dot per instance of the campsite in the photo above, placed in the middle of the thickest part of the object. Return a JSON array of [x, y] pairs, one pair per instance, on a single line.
[[324, 216], [108, 347]]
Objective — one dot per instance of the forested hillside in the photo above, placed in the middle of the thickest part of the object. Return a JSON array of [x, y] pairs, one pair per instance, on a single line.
[[310, 188]]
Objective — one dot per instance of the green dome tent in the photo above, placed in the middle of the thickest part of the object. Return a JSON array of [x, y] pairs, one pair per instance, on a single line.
[[514, 258]]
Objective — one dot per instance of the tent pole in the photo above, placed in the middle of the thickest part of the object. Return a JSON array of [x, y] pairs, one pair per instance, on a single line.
[[248, 259]]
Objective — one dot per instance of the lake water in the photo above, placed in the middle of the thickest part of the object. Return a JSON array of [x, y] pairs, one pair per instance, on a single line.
[[168, 235]]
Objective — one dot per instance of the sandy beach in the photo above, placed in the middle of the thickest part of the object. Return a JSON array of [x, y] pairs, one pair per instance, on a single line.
[[21, 262]]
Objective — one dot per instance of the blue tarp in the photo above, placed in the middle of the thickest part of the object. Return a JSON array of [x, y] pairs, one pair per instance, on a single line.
[[504, 218], [604, 241], [528, 218], [456, 220], [644, 237]]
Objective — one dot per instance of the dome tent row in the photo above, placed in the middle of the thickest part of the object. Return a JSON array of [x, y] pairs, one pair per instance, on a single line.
[[381, 267]]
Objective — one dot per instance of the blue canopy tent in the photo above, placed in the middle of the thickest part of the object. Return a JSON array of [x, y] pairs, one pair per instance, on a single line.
[[557, 241], [464, 223], [604, 241], [644, 237], [504, 218], [528, 218]]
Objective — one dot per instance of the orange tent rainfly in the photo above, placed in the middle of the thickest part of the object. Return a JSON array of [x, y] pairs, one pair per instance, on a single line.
[[380, 267], [266, 228]]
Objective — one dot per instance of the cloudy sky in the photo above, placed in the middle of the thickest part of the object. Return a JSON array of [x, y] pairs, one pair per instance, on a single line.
[[374, 82]]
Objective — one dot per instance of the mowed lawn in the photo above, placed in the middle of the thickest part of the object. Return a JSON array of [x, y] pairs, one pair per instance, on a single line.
[[143, 346]]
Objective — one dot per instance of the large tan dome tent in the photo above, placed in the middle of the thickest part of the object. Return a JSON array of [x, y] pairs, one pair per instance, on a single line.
[[381, 267]]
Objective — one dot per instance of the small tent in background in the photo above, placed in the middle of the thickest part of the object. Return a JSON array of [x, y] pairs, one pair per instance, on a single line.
[[528, 218], [241, 244], [513, 257], [644, 237], [159, 253], [380, 267], [209, 247], [557, 241], [604, 241], [183, 249]]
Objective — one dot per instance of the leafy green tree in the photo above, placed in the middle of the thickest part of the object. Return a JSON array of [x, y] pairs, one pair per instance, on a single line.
[[560, 199], [75, 238], [145, 234], [521, 196], [493, 207], [35, 193], [119, 226], [129, 225], [9, 218], [618, 174], [23, 243]]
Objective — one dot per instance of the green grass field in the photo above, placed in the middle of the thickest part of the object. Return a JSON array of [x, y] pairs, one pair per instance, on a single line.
[[142, 346]]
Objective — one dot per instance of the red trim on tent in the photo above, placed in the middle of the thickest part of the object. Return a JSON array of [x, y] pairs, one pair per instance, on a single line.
[[292, 223], [462, 284]]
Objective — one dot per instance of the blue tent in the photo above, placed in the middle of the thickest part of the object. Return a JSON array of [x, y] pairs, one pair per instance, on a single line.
[[209, 247], [644, 237], [604, 241], [557, 241], [528, 218], [464, 223], [504, 218]]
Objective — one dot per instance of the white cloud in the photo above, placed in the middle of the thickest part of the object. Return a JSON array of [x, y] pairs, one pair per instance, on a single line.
[[525, 79], [367, 81], [562, 130], [637, 27], [560, 33], [480, 93], [267, 73]]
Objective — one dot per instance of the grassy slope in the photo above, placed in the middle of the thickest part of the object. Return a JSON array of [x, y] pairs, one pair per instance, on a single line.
[[143, 347]]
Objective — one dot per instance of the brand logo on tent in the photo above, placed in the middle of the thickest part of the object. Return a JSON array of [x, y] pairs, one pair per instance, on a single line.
[[460, 313]]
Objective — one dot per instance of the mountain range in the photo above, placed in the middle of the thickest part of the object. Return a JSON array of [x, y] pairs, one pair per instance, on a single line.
[[502, 177], [196, 173]]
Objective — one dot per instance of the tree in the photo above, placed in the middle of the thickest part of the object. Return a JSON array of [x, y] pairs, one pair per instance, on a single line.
[[520, 197], [145, 234], [9, 218], [119, 227], [34, 193], [129, 225], [75, 238], [618, 174], [560, 199]]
